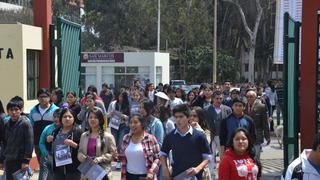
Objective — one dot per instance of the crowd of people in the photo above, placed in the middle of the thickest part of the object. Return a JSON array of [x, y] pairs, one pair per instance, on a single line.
[[150, 132]]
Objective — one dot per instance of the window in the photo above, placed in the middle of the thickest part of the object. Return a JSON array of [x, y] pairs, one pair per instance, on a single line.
[[32, 74], [90, 75], [158, 75], [119, 69], [132, 69]]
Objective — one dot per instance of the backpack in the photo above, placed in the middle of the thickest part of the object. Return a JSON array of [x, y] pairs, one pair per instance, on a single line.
[[297, 172]]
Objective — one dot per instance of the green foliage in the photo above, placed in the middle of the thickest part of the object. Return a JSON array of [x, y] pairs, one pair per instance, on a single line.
[[24, 16], [199, 66]]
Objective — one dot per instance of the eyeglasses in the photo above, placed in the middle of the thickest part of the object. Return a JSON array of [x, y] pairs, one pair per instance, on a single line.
[[43, 96], [194, 115]]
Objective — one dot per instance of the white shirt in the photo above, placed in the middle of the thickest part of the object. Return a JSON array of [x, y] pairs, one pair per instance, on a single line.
[[42, 111], [136, 162], [175, 102]]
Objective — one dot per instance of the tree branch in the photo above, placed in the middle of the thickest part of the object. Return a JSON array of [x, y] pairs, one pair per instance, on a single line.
[[259, 15], [243, 17]]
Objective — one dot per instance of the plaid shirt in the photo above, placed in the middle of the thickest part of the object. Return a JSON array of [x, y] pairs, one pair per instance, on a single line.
[[151, 151]]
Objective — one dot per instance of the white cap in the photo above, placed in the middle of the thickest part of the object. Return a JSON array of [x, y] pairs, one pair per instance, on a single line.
[[162, 95]]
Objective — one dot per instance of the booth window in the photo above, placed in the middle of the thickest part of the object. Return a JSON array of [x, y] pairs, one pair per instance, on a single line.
[[158, 75], [32, 74]]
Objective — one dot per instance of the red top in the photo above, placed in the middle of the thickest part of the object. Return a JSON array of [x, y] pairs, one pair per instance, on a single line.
[[91, 150], [237, 167]]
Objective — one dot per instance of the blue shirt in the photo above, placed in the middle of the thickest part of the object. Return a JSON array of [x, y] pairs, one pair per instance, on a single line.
[[188, 150], [315, 166]]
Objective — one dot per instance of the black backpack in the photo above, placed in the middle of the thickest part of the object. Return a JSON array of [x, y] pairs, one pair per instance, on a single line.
[[297, 172]]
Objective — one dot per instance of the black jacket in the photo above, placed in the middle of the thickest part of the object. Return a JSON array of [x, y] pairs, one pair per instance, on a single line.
[[75, 135], [18, 141]]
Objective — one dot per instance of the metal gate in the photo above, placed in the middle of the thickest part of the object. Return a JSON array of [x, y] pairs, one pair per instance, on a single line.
[[291, 103], [68, 45]]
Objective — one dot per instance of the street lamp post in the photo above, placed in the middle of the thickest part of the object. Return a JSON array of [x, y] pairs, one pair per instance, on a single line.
[[214, 62], [158, 33]]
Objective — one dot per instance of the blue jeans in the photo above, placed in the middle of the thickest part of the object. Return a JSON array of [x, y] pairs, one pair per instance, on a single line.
[[119, 134], [44, 171]]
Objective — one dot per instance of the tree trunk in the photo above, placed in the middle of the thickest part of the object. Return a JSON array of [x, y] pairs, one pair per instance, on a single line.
[[251, 64]]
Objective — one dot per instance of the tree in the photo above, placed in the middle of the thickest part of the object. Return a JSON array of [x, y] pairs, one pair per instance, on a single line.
[[252, 33], [199, 63]]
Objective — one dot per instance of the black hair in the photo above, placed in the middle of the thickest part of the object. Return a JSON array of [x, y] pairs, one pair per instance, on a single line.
[[1, 108], [251, 151], [63, 111], [316, 142], [183, 98], [72, 93], [206, 86], [57, 112], [142, 120], [92, 88], [124, 107], [105, 85], [59, 93], [238, 100], [195, 95], [171, 90], [202, 117], [99, 114], [43, 91], [217, 93], [148, 106], [181, 108], [164, 113], [15, 102]]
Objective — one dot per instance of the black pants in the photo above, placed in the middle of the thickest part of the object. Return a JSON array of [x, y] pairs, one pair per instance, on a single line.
[[67, 176], [135, 176], [12, 167]]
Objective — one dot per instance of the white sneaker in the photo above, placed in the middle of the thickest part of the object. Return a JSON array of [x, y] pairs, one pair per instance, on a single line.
[[118, 165]]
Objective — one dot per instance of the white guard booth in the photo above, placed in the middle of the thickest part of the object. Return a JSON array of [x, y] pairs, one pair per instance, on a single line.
[[118, 69]]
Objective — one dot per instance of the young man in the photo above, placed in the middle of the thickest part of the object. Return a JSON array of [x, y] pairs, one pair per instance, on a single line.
[[232, 122], [41, 116], [307, 165], [106, 95], [190, 148], [18, 140]]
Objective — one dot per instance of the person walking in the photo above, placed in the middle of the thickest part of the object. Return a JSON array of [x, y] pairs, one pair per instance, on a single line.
[[190, 148], [65, 147], [40, 117], [18, 141], [257, 111], [97, 144], [239, 161], [140, 152]]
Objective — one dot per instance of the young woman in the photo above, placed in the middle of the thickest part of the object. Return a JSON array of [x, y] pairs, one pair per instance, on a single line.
[[238, 161], [140, 150], [135, 102], [65, 147], [180, 94], [57, 98], [97, 144], [191, 96], [154, 125], [118, 115], [73, 103], [89, 104], [198, 122]]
